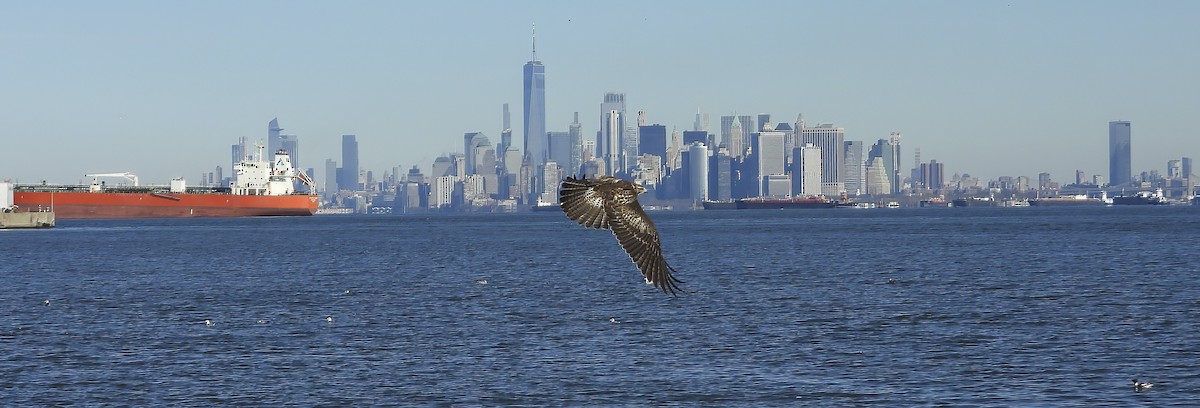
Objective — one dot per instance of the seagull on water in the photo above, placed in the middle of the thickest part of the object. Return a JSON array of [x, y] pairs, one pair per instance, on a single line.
[[1139, 386], [208, 323], [46, 303], [481, 281], [329, 319], [613, 320]]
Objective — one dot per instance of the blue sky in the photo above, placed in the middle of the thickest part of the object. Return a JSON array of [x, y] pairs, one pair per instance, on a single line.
[[988, 88]]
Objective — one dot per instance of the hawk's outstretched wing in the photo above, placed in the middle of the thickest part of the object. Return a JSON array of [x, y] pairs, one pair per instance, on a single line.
[[611, 203], [583, 202]]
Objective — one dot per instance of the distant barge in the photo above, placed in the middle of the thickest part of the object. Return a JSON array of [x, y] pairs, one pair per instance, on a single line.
[[768, 203]]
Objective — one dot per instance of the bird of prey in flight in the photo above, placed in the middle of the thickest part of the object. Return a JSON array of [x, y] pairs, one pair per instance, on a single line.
[[611, 203]]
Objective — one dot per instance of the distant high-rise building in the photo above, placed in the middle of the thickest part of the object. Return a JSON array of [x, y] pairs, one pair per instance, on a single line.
[[290, 144], [736, 139], [1174, 169], [769, 157], [806, 170], [1080, 178], [674, 147], [238, 152], [764, 119], [575, 131], [273, 141], [535, 109], [331, 178], [505, 132], [1043, 181], [559, 146], [855, 168], [349, 173], [698, 173], [472, 142], [720, 184], [443, 191], [889, 150], [933, 177], [832, 142], [737, 142], [877, 182], [1120, 170], [693, 136], [442, 166], [610, 137], [629, 147], [652, 139]]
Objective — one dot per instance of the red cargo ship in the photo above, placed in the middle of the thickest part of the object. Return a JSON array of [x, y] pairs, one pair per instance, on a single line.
[[258, 188]]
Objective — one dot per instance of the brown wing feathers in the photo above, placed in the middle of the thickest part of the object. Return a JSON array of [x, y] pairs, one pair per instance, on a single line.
[[610, 203]]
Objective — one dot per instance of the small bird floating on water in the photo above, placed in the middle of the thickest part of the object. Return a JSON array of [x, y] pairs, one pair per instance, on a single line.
[[481, 281], [208, 323], [329, 319], [613, 320], [1140, 386]]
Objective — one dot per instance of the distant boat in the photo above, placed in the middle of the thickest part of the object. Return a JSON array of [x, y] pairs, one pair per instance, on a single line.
[[1069, 200], [769, 203], [1141, 198], [935, 202], [974, 202], [720, 205]]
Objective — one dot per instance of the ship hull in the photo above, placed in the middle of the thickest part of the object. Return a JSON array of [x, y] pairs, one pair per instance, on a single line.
[[88, 205], [782, 204], [1050, 202]]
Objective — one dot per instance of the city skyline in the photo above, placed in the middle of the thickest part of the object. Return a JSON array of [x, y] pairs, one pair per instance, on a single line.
[[1017, 89]]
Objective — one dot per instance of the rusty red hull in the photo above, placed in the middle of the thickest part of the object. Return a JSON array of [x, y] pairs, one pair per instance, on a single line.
[[86, 205]]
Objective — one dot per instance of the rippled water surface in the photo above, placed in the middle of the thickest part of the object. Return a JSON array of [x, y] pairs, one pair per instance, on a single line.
[[1000, 307]]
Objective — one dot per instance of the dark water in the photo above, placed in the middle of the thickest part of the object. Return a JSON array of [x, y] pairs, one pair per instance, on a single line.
[[999, 307]]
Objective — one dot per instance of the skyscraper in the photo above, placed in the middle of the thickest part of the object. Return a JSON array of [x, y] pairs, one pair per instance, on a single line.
[[291, 144], [769, 159], [535, 109], [652, 139], [348, 179], [273, 138], [889, 151], [575, 130], [505, 132], [609, 137], [806, 170], [855, 170], [832, 141], [698, 173], [1120, 170]]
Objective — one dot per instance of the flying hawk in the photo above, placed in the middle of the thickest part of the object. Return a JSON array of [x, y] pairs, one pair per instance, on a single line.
[[611, 203]]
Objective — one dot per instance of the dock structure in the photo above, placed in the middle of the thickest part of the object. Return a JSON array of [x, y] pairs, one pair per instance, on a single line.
[[10, 217], [43, 219]]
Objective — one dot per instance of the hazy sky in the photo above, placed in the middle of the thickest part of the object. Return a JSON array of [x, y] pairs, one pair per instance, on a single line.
[[988, 88]]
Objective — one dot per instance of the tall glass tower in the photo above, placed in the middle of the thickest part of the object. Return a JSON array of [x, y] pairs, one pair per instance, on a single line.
[[1119, 169], [535, 109], [348, 178]]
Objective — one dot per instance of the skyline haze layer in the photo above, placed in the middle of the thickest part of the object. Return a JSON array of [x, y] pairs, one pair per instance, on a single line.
[[989, 89]]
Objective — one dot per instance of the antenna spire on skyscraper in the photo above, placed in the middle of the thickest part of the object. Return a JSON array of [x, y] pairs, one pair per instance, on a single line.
[[534, 42]]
